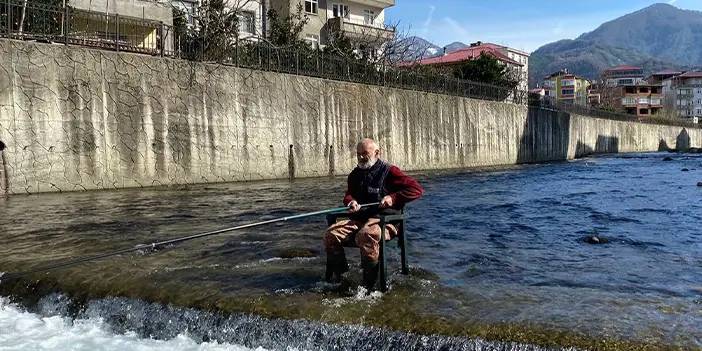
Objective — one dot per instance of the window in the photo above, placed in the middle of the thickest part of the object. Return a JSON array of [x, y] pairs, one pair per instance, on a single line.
[[699, 112], [625, 81], [643, 111], [369, 17], [340, 10], [188, 8], [567, 92], [247, 22], [311, 6], [313, 40]]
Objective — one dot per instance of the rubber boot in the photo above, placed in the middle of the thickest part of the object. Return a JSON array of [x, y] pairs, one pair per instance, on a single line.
[[370, 274], [336, 266]]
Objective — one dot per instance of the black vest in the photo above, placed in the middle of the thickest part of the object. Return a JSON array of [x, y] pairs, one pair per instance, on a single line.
[[368, 186]]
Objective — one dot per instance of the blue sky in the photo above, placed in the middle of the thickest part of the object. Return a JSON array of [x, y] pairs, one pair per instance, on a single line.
[[522, 24]]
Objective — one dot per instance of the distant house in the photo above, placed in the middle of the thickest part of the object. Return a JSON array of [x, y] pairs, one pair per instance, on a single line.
[[566, 87], [514, 59]]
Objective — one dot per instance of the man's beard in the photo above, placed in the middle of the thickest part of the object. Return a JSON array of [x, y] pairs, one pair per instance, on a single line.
[[368, 164]]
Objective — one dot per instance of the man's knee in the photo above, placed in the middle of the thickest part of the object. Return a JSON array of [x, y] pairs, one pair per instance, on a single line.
[[368, 235]]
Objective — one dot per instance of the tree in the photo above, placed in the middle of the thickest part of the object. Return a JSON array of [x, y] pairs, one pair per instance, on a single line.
[[487, 69], [285, 31], [216, 32], [40, 19]]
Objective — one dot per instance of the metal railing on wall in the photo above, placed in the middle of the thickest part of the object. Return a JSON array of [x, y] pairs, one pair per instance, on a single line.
[[33, 20]]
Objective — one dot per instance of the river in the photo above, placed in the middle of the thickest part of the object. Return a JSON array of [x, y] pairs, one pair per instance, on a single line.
[[498, 260]]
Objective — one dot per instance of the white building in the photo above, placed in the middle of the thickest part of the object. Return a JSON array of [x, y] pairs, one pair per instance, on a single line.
[[688, 91], [523, 59], [357, 19]]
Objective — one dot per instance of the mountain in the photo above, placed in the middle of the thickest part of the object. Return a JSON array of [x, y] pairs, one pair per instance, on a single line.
[[418, 48], [456, 45], [414, 48], [658, 37]]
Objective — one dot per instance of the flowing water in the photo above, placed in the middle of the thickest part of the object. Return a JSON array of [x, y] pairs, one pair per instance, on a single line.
[[498, 260]]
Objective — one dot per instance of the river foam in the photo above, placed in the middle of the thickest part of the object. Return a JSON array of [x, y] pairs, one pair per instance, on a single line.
[[22, 330]]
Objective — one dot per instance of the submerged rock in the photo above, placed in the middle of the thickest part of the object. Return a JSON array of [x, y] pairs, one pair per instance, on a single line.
[[685, 170], [595, 239], [296, 252], [699, 183], [667, 158]]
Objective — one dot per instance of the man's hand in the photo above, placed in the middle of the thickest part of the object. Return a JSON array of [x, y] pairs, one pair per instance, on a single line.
[[354, 206], [386, 202]]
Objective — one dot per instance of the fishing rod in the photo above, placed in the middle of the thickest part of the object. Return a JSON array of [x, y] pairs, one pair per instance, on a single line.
[[158, 244]]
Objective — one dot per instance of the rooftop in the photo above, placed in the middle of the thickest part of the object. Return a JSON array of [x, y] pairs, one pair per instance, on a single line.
[[471, 53], [623, 68], [691, 75]]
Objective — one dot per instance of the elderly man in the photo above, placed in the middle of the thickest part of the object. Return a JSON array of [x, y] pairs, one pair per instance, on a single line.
[[373, 180]]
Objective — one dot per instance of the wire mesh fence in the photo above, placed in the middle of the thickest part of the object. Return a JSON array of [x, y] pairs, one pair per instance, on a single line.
[[35, 20]]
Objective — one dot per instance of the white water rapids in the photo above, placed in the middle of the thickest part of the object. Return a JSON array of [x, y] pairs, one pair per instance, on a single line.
[[21, 330]]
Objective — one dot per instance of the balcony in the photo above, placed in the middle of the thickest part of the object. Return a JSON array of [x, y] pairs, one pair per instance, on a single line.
[[376, 3], [628, 101], [355, 30], [138, 9]]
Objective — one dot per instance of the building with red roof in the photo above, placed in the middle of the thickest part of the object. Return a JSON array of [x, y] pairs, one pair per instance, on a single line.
[[514, 59]]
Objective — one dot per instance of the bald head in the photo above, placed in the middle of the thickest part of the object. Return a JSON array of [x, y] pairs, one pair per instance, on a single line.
[[367, 153]]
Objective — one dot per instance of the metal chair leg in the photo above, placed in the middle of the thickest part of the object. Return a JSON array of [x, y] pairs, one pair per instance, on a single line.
[[382, 272], [403, 248]]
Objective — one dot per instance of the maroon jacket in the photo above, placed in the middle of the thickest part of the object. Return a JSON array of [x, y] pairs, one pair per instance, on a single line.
[[401, 187]]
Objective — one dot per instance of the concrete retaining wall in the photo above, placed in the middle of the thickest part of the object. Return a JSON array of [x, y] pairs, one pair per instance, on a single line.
[[77, 119]]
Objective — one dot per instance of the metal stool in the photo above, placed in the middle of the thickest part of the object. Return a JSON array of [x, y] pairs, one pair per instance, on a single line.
[[396, 219]]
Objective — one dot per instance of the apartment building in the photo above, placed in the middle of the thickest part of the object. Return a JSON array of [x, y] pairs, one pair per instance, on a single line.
[[134, 25], [688, 93], [622, 75], [522, 58], [359, 20], [567, 87], [641, 100], [665, 79]]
